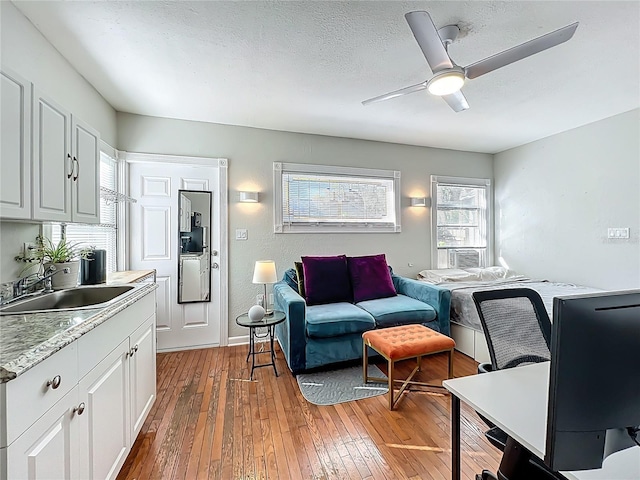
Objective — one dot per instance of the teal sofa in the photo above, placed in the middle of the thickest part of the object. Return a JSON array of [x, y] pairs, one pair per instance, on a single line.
[[320, 335]]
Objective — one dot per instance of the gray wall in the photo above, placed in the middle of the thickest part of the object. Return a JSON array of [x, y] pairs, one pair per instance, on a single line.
[[251, 153], [556, 197]]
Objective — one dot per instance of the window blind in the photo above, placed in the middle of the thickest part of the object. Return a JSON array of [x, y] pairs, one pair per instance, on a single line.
[[321, 198]]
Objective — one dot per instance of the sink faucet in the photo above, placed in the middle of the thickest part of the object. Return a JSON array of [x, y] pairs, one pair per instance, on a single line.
[[21, 286]]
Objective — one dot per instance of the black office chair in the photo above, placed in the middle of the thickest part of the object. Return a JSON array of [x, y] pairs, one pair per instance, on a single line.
[[518, 332]]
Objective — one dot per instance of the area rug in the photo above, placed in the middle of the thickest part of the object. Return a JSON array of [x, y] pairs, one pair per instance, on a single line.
[[338, 386]]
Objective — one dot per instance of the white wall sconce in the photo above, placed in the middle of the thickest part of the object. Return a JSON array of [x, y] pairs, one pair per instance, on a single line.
[[249, 197], [418, 201]]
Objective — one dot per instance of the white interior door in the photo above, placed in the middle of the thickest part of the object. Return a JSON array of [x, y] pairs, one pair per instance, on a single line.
[[153, 243]]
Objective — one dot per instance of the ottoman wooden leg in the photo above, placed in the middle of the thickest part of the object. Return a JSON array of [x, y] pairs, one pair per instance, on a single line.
[[365, 362], [451, 363], [391, 373]]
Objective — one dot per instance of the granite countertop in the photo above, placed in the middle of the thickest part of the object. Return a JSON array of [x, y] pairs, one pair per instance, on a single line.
[[28, 339]]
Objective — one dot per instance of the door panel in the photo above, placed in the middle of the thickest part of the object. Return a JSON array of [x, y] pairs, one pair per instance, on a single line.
[[154, 223]]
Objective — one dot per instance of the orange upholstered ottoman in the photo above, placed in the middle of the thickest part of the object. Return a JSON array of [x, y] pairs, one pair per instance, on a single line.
[[402, 343]]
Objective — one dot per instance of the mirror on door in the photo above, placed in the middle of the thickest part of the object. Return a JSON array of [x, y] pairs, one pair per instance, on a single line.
[[194, 264]]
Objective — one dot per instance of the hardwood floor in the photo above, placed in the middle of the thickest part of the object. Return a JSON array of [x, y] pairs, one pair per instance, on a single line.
[[210, 421]]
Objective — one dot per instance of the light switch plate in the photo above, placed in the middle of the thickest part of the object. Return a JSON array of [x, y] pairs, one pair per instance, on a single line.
[[241, 234]]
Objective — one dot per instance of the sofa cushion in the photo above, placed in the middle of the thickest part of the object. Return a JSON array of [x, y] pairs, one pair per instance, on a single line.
[[290, 278], [398, 310], [326, 280], [336, 319], [300, 274], [370, 277]]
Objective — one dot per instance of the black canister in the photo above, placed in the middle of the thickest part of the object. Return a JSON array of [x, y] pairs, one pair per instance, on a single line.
[[93, 269]]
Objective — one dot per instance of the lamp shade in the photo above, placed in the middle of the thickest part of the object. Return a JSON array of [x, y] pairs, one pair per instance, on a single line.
[[265, 272]]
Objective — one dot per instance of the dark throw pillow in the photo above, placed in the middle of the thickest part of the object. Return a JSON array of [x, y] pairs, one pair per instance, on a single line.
[[326, 280], [300, 274], [370, 278]]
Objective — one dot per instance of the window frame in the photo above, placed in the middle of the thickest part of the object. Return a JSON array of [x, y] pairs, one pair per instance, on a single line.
[[487, 183], [279, 226]]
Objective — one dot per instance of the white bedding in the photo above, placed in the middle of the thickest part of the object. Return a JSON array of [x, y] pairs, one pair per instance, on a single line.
[[463, 310]]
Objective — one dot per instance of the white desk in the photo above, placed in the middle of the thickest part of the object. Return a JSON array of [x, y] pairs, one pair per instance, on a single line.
[[516, 401]]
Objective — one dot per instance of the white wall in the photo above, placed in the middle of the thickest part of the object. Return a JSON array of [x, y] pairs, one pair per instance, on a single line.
[[556, 197], [251, 153], [12, 236]]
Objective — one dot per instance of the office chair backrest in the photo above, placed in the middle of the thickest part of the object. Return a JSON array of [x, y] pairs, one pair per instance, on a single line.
[[516, 326]]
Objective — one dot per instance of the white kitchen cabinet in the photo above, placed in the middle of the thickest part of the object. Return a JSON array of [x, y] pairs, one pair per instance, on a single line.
[[48, 449], [66, 165], [104, 425], [142, 371], [85, 192], [84, 427], [52, 161], [15, 147]]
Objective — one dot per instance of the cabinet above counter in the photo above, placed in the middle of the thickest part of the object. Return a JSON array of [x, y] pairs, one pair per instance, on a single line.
[[50, 168]]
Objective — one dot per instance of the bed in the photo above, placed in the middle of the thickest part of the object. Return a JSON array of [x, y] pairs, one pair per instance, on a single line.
[[466, 328]]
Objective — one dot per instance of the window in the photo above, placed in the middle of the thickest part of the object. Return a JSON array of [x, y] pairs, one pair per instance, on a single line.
[[461, 222], [104, 235], [326, 199]]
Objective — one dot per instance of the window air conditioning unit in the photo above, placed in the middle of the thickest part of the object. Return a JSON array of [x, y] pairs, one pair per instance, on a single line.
[[464, 258]]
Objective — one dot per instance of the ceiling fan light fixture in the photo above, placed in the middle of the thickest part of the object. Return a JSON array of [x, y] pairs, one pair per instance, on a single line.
[[446, 82]]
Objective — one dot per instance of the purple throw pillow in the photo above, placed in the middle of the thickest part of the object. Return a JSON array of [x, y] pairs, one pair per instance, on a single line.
[[326, 280], [370, 278]]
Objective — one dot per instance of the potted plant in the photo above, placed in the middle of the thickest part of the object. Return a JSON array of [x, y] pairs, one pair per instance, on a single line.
[[62, 255]]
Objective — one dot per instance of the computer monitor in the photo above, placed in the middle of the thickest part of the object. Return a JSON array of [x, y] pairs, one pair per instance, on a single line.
[[594, 382]]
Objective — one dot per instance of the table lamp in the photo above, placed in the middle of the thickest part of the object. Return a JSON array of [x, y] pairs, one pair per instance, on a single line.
[[265, 272]]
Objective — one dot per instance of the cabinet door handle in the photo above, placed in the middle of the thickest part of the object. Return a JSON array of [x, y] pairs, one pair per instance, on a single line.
[[71, 164], [79, 409], [214, 265], [75, 160], [132, 351], [54, 382]]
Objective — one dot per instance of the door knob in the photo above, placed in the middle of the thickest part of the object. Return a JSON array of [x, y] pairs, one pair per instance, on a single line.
[[214, 265]]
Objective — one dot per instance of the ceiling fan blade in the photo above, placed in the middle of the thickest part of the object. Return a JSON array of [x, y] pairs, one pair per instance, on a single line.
[[429, 41], [521, 51], [457, 101], [397, 93]]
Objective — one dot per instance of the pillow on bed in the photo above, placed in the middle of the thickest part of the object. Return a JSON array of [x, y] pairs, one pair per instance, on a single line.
[[447, 275], [492, 273]]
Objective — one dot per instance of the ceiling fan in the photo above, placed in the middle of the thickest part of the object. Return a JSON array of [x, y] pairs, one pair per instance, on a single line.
[[448, 77]]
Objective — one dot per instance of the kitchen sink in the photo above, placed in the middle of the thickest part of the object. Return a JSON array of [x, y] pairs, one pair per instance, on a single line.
[[70, 299]]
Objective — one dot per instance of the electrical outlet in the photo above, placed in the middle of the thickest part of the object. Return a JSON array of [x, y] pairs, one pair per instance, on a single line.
[[271, 299], [241, 234], [618, 232], [260, 299]]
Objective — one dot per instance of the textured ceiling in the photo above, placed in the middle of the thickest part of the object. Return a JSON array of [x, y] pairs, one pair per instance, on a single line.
[[306, 66]]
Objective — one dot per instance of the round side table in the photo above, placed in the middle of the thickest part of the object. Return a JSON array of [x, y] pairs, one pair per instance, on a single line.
[[269, 321]]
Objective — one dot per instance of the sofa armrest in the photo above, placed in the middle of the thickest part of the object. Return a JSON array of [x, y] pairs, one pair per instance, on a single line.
[[291, 333], [438, 297]]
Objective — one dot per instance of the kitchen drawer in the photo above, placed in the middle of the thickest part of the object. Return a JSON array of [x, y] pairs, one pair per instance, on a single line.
[[99, 342], [28, 397]]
